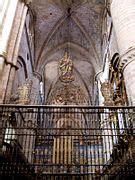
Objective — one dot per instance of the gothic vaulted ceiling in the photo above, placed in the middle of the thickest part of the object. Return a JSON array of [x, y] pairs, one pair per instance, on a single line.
[[68, 25]]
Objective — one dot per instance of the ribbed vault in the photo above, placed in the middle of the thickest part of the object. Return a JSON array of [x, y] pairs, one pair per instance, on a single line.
[[73, 25]]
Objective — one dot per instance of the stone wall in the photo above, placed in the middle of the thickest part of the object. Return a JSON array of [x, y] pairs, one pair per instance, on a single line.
[[25, 60]]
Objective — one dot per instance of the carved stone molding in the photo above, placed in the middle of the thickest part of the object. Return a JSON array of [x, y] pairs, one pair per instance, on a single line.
[[127, 58], [37, 75]]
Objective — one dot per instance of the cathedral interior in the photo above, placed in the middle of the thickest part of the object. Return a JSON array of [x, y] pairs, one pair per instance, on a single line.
[[67, 80]]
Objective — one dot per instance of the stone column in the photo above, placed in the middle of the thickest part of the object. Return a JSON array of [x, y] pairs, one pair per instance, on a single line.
[[7, 18], [12, 33], [14, 44], [123, 16], [35, 90]]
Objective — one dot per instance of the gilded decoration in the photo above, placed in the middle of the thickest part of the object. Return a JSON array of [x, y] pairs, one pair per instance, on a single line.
[[117, 81], [107, 91], [67, 94], [66, 69]]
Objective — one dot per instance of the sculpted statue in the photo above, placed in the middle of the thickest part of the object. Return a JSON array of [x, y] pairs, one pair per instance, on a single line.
[[66, 69]]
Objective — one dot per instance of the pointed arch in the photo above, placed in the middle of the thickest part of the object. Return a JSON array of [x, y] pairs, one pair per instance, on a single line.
[[45, 57]]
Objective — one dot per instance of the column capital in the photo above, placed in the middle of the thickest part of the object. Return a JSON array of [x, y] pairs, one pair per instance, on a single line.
[[3, 54], [127, 58], [98, 75]]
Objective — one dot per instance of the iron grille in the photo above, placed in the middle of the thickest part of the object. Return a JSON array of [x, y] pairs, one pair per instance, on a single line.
[[68, 142]]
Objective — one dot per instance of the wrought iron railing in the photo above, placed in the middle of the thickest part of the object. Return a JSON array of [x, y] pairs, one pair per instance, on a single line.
[[69, 141]]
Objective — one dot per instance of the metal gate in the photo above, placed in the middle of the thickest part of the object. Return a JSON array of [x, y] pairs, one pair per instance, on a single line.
[[77, 143]]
